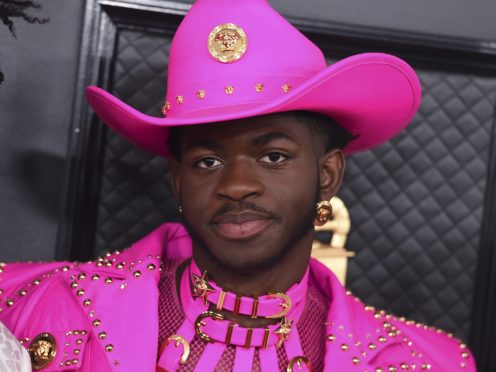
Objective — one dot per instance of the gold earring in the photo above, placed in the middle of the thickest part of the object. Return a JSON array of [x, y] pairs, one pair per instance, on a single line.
[[324, 211]]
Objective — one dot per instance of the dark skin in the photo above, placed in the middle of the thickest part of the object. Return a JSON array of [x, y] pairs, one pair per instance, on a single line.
[[248, 190]]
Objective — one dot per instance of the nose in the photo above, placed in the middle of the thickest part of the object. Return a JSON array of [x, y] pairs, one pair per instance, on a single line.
[[239, 180]]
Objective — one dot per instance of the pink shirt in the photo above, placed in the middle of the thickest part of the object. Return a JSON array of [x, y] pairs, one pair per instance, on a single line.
[[104, 315], [311, 326]]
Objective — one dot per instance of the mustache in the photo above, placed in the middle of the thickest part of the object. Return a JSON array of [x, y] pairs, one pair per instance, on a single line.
[[241, 207]]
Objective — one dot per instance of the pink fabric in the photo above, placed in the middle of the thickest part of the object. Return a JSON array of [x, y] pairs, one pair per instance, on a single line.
[[373, 95], [310, 327], [268, 359], [170, 355], [217, 329], [243, 360], [127, 308], [210, 357], [268, 305]]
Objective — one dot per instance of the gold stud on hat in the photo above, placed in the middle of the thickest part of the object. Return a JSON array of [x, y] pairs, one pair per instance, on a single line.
[[227, 43], [165, 108], [286, 88]]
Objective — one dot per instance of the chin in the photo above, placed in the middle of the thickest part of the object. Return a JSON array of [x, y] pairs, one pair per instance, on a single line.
[[260, 252], [248, 257]]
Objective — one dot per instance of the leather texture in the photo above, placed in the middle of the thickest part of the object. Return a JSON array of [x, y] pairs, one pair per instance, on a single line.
[[415, 202], [90, 314]]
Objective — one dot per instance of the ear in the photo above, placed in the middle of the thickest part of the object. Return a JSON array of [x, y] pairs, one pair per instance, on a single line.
[[332, 165], [175, 181]]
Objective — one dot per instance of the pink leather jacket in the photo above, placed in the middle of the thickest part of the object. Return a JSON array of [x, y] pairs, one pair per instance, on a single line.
[[102, 316]]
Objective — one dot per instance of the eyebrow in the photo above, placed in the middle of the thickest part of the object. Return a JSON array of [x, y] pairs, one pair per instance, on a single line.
[[207, 144], [269, 137]]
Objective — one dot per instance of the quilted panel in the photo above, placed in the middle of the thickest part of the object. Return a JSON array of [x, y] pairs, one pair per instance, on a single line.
[[415, 202], [135, 195], [416, 205]]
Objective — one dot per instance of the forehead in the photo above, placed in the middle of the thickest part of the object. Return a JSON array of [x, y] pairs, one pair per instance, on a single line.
[[273, 127]]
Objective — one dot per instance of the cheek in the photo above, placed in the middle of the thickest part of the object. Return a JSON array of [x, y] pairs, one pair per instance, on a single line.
[[193, 184], [196, 194], [295, 193]]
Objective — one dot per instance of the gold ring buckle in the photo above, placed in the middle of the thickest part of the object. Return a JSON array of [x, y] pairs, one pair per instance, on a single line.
[[178, 340], [298, 361], [286, 305], [199, 323]]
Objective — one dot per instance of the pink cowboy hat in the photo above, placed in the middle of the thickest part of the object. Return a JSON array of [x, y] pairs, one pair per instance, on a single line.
[[238, 59]]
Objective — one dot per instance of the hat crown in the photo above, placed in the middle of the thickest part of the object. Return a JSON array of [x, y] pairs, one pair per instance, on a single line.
[[275, 53], [234, 59]]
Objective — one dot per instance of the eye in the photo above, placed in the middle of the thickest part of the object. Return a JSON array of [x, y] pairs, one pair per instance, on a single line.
[[274, 158], [208, 162]]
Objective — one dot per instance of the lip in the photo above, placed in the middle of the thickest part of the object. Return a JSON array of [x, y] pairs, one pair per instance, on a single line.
[[241, 226]]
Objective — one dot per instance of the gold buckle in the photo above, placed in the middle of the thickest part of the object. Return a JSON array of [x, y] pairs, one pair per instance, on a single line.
[[299, 360], [178, 340], [286, 305], [199, 323]]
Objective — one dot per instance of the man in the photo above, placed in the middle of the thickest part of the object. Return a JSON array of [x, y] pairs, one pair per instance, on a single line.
[[256, 128]]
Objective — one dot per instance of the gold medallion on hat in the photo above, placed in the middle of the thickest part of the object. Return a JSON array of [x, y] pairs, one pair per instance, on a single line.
[[42, 351], [227, 42]]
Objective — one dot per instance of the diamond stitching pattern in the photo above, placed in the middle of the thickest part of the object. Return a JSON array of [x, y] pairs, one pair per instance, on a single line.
[[135, 196], [141, 59], [416, 205], [415, 202]]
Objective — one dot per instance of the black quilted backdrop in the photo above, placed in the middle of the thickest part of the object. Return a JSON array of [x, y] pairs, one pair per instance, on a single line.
[[135, 196], [416, 203]]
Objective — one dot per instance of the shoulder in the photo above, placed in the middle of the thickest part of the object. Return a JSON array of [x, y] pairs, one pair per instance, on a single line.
[[369, 339], [384, 342], [406, 344], [76, 308]]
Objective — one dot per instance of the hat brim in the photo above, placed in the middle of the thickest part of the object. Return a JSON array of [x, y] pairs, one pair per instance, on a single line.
[[373, 95]]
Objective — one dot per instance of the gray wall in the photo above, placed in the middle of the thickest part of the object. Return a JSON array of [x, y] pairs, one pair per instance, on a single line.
[[35, 112], [459, 18], [36, 98], [474, 19]]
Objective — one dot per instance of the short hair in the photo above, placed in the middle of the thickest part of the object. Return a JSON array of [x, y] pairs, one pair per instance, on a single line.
[[333, 134], [323, 126]]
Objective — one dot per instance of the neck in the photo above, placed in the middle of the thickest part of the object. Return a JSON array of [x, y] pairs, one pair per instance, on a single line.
[[278, 278]]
